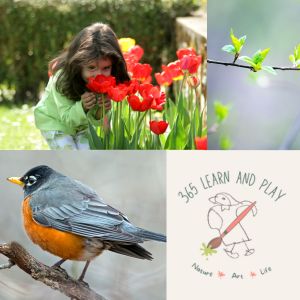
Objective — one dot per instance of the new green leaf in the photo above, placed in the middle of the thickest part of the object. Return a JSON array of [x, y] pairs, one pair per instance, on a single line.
[[229, 49], [237, 44], [257, 59], [295, 59]]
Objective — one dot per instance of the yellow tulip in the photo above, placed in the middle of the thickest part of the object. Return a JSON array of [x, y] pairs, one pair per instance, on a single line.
[[126, 43]]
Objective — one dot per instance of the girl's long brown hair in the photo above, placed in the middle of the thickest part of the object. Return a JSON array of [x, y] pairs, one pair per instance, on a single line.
[[93, 42]]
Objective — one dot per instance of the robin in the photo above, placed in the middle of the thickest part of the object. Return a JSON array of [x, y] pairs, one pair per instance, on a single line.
[[68, 219]]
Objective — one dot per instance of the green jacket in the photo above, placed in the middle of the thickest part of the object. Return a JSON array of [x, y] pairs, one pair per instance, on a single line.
[[56, 112]]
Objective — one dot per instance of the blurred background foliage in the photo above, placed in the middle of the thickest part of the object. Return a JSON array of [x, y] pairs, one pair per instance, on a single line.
[[264, 109], [35, 31]]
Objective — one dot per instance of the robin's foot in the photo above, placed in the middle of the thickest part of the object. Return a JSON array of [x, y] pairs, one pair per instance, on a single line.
[[249, 252], [231, 254], [59, 263], [83, 282]]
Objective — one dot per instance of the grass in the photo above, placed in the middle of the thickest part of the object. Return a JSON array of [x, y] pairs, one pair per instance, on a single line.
[[17, 130]]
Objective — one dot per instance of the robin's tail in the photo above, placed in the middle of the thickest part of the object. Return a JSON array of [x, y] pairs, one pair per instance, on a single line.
[[133, 250], [149, 235]]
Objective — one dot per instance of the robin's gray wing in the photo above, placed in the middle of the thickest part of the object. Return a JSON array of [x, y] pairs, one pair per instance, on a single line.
[[71, 206]]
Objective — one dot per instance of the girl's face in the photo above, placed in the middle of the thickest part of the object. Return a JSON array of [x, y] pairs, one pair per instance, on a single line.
[[100, 66]]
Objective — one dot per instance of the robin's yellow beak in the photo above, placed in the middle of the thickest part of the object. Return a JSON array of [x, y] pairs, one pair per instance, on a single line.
[[16, 180]]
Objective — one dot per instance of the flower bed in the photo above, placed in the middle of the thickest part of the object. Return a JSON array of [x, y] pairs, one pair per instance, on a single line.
[[142, 114]]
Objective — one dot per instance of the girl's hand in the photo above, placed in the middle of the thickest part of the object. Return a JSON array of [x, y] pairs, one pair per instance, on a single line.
[[88, 101]]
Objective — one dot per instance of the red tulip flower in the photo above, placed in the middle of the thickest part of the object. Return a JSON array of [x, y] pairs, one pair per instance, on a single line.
[[163, 78], [153, 93], [118, 93], [201, 143], [170, 72], [101, 84], [190, 63], [173, 69], [142, 72], [193, 81], [137, 104], [158, 127], [132, 86], [136, 52], [185, 51]]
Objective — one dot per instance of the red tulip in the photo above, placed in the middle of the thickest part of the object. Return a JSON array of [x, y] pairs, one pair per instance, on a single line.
[[201, 143], [190, 63], [163, 78], [101, 84], [137, 104], [132, 86], [118, 93], [137, 52], [173, 69], [142, 72], [153, 93], [158, 127], [170, 72], [185, 51], [193, 81]]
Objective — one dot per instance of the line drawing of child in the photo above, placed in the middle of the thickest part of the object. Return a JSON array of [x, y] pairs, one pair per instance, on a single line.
[[226, 208], [66, 106]]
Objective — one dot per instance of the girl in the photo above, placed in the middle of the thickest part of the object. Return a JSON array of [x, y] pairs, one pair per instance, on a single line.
[[63, 113]]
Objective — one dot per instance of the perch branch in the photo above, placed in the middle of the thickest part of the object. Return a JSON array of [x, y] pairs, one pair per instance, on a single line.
[[56, 278], [210, 61]]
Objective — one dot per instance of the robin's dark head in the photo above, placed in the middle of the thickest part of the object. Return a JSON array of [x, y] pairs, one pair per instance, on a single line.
[[33, 179]]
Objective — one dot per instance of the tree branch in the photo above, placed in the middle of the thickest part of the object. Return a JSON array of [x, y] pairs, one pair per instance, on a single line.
[[56, 278], [210, 61]]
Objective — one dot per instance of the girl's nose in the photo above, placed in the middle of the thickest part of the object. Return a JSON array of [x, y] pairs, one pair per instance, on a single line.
[[98, 72]]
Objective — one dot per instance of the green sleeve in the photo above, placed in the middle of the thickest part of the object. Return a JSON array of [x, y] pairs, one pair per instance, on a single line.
[[70, 112]]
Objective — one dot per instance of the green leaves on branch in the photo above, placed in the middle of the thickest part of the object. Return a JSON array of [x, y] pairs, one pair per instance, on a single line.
[[237, 45], [295, 59], [256, 61]]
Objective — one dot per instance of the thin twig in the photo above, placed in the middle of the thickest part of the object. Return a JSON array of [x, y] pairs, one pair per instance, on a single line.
[[56, 278], [210, 61]]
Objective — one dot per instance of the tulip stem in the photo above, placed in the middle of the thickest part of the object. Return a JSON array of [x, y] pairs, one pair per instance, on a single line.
[[182, 83], [129, 116], [103, 120], [119, 127]]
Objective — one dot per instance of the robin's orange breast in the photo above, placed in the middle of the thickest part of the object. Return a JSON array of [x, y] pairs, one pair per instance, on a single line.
[[63, 244]]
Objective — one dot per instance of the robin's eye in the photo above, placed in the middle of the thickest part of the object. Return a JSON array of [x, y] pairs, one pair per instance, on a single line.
[[31, 180]]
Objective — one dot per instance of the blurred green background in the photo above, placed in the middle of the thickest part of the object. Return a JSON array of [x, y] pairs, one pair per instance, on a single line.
[[34, 31], [264, 109]]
